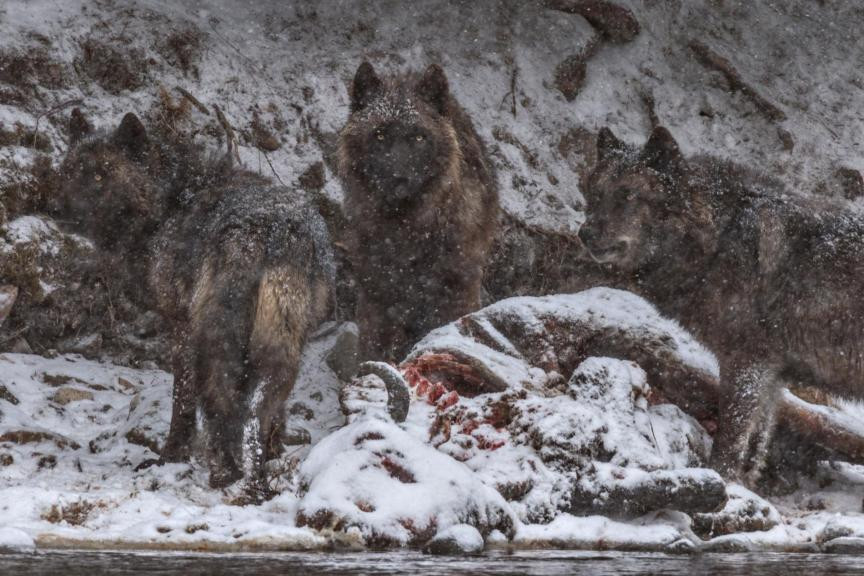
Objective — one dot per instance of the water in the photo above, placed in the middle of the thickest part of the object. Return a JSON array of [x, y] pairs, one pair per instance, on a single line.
[[541, 563]]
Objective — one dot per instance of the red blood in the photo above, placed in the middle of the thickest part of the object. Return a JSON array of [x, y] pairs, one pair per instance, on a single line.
[[469, 426], [490, 445], [423, 386], [436, 392], [448, 400], [412, 375]]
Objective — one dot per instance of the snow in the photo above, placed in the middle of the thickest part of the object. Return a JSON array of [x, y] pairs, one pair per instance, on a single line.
[[599, 309], [373, 474], [269, 52], [12, 539], [464, 537], [585, 532]]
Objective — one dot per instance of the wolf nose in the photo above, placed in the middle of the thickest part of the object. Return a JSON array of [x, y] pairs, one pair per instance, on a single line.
[[622, 244]]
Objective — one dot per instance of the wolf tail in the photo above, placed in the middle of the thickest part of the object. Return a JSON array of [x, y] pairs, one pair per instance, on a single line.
[[249, 317]]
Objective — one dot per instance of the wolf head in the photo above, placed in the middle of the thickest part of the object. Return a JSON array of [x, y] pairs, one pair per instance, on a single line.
[[641, 206], [399, 141], [107, 182]]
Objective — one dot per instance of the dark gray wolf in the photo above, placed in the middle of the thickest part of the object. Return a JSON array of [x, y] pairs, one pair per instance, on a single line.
[[422, 205], [241, 271]]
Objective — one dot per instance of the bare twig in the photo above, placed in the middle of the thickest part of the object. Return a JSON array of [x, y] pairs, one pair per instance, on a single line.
[[230, 136], [51, 111], [276, 174], [194, 101]]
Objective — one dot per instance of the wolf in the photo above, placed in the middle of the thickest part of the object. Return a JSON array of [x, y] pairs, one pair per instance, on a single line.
[[770, 280], [241, 271], [422, 205]]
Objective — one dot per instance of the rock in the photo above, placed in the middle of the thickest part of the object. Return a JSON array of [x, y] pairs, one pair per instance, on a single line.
[[126, 385], [313, 178], [8, 294], [89, 345], [457, 540], [58, 378], [615, 23], [682, 546], [343, 358], [13, 540], [844, 545], [364, 395], [733, 543], [638, 492], [68, 394], [570, 76], [143, 437], [6, 459], [296, 437], [851, 182], [744, 512], [20, 346], [35, 437], [6, 395]]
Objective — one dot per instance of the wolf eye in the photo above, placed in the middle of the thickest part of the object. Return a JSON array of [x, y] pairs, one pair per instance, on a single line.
[[379, 135], [419, 138]]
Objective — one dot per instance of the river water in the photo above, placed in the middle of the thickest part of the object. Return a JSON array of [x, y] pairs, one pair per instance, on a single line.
[[523, 563]]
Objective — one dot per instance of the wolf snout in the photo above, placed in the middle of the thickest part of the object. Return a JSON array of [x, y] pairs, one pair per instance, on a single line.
[[605, 252]]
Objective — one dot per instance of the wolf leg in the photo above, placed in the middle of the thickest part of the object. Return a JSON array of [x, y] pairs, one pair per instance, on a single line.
[[220, 325], [178, 445], [283, 315], [748, 419]]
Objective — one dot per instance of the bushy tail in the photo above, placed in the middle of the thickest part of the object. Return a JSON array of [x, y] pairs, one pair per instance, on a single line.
[[249, 318]]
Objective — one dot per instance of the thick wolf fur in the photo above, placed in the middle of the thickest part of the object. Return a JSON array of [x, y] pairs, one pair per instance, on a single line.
[[422, 204], [772, 282], [240, 269]]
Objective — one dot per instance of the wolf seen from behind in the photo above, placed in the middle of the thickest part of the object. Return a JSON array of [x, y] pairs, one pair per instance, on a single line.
[[240, 269], [422, 205], [771, 281]]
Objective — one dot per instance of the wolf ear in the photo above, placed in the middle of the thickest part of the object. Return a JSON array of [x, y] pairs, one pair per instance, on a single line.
[[608, 144], [661, 152], [79, 127], [131, 135], [366, 84], [434, 88]]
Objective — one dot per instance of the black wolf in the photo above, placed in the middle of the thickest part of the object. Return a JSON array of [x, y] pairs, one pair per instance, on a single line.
[[771, 281], [422, 204], [240, 269]]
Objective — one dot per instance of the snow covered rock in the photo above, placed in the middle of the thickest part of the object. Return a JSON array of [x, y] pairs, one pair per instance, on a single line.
[[490, 390], [744, 512], [455, 540], [14, 540], [374, 480], [537, 342]]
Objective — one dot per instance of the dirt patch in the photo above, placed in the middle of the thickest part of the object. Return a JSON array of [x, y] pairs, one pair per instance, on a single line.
[[113, 68], [34, 437], [32, 67], [182, 49], [74, 514], [67, 395], [26, 137]]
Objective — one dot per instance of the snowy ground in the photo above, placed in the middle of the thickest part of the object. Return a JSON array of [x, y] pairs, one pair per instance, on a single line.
[[72, 432]]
